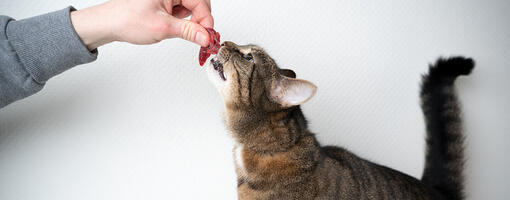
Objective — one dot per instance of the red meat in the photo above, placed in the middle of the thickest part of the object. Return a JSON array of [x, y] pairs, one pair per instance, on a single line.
[[214, 46]]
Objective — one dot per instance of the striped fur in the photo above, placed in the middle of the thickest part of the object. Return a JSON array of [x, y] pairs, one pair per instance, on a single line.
[[444, 159], [277, 157]]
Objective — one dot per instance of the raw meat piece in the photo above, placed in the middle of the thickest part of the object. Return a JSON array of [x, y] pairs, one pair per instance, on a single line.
[[214, 46]]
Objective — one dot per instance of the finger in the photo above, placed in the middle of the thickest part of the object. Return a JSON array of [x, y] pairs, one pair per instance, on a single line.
[[175, 2], [180, 12], [201, 12], [208, 2], [168, 5], [188, 30]]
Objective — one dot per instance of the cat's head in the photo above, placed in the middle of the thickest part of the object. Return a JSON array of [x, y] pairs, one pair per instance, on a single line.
[[248, 78]]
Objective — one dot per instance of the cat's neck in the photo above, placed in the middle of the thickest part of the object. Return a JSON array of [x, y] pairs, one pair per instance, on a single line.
[[266, 132]]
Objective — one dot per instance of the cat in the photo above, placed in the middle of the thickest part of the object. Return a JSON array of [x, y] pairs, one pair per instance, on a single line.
[[277, 157]]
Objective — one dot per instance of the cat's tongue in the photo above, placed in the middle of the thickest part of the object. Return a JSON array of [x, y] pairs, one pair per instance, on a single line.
[[214, 46]]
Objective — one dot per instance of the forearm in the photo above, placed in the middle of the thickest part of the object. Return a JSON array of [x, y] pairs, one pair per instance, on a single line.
[[34, 50]]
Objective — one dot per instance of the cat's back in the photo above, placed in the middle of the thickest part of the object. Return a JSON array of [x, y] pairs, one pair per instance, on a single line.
[[343, 175]]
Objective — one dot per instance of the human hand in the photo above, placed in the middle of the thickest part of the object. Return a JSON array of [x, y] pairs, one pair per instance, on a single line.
[[143, 21]]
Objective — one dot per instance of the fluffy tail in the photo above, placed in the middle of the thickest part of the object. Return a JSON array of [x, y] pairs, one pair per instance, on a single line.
[[445, 157]]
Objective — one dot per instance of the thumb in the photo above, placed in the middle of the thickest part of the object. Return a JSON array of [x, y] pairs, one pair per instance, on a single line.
[[188, 30]]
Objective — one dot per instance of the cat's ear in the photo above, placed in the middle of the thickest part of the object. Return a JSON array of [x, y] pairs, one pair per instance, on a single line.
[[288, 73], [292, 92]]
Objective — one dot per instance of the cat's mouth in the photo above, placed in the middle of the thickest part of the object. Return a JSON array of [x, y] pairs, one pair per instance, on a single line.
[[218, 67]]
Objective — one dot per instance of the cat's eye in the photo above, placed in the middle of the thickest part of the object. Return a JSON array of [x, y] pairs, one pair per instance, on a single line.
[[248, 57]]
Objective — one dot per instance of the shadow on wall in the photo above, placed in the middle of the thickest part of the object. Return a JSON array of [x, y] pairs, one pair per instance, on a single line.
[[23, 120]]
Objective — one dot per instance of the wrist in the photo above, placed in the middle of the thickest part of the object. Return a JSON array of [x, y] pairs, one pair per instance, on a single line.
[[93, 25]]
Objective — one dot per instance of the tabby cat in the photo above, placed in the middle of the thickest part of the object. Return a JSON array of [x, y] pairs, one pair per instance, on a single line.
[[277, 157]]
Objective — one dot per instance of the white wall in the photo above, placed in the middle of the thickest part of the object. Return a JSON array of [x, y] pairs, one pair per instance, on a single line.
[[143, 122]]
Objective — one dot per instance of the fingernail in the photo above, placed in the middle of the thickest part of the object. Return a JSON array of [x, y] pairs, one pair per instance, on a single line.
[[202, 39]]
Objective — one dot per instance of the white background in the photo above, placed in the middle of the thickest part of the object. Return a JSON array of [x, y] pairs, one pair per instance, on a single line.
[[143, 122]]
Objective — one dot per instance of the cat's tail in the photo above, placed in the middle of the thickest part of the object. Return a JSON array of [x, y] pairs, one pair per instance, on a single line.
[[444, 154]]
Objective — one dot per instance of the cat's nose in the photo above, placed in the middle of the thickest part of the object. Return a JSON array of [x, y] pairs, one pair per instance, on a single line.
[[229, 44]]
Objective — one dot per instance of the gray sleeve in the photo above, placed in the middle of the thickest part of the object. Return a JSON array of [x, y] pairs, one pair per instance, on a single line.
[[35, 49]]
